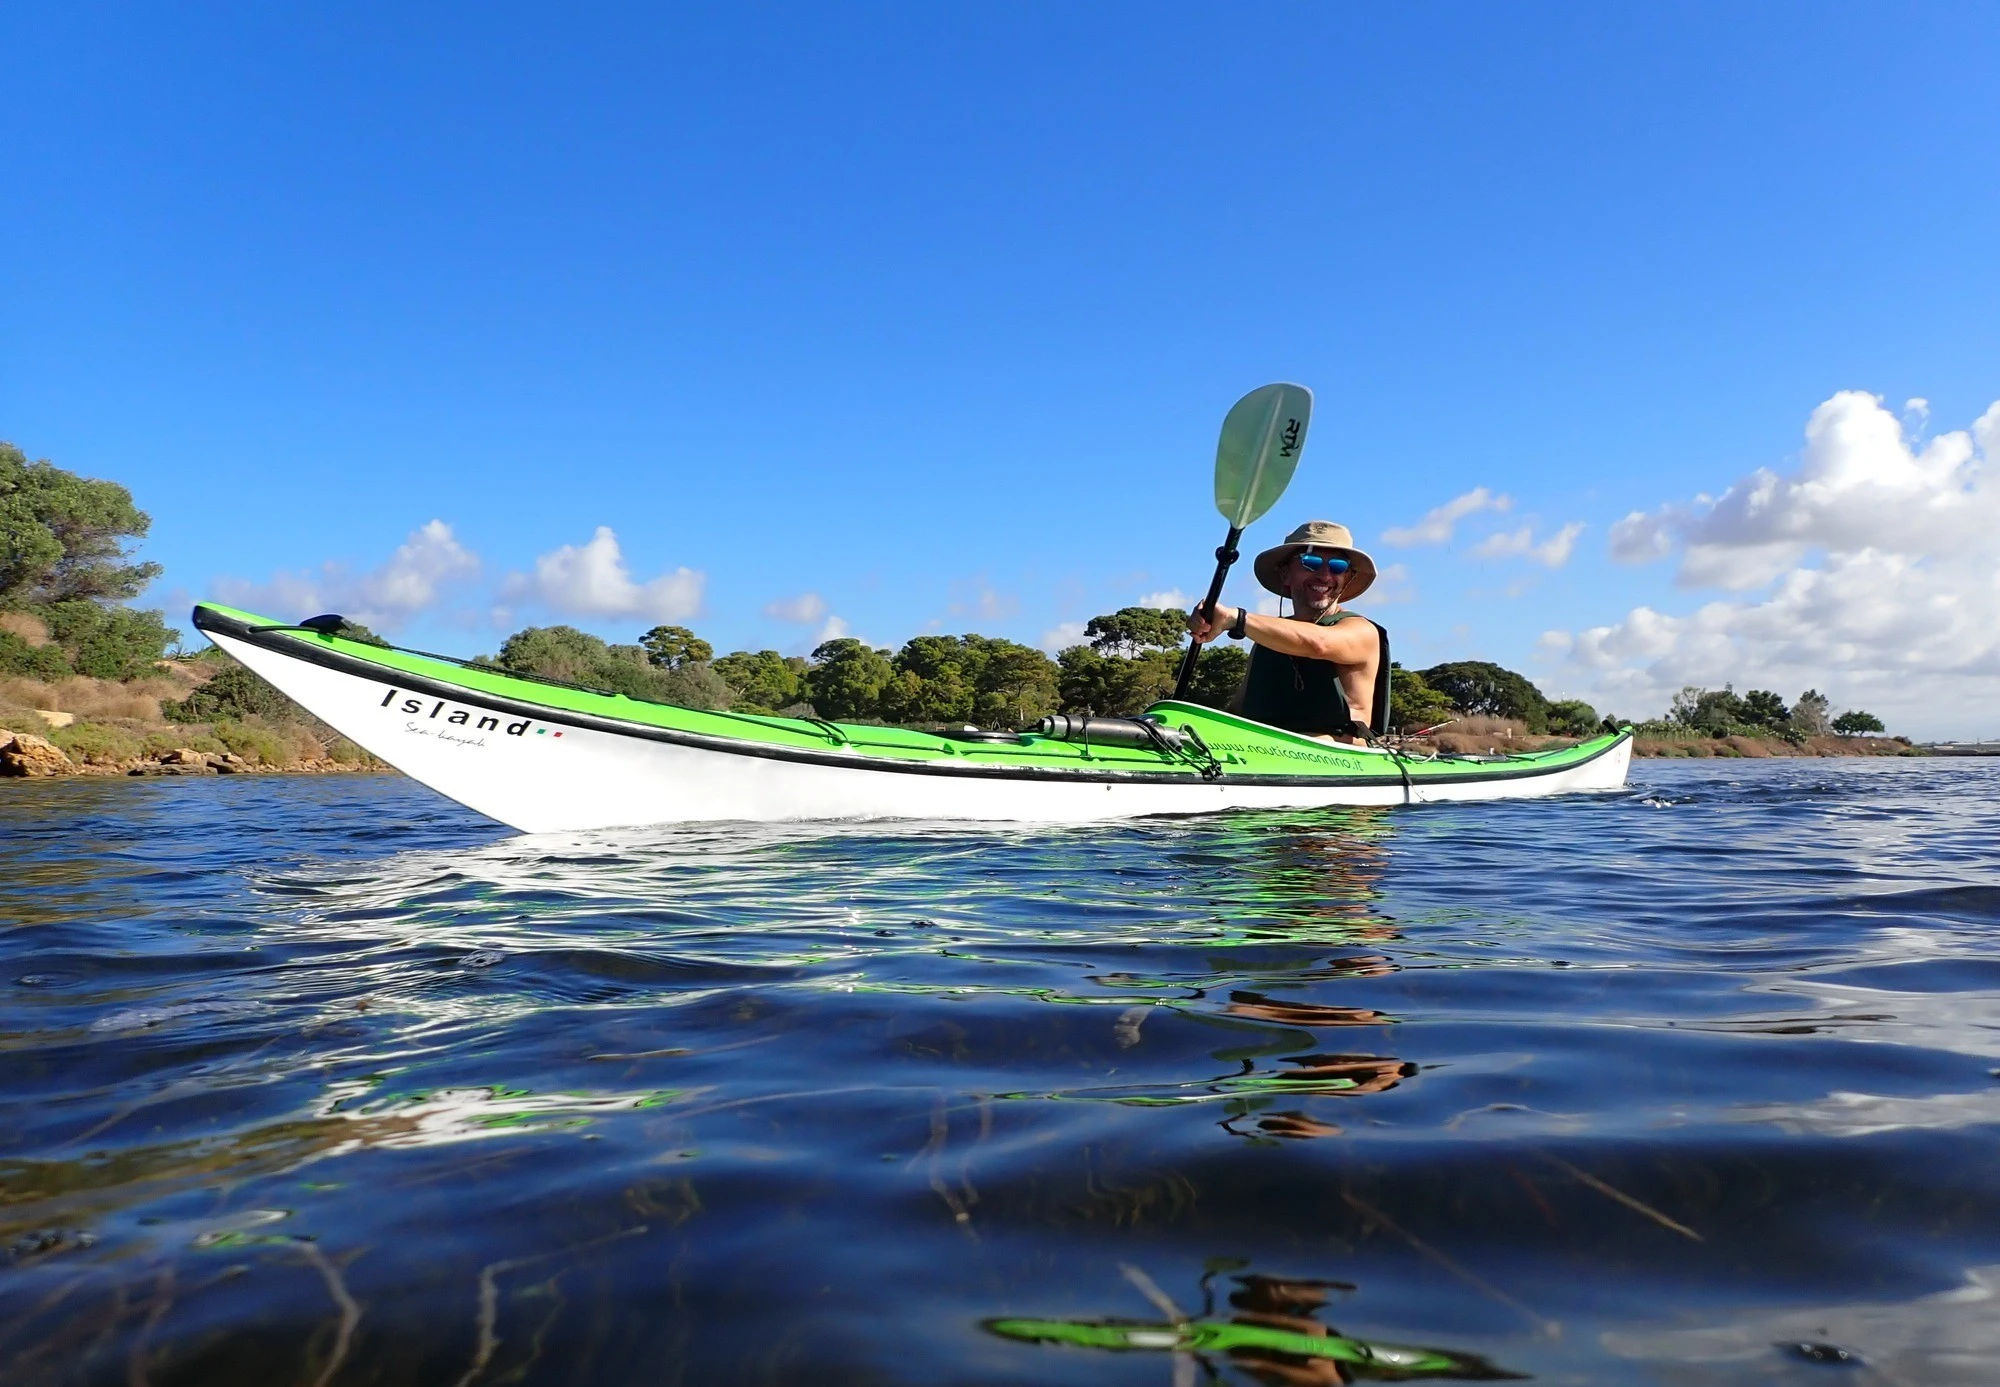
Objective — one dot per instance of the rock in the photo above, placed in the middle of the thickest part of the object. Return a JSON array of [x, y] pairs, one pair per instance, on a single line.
[[24, 754], [55, 719], [183, 756]]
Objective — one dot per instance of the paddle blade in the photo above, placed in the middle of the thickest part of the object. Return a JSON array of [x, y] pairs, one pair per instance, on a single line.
[[1261, 441]]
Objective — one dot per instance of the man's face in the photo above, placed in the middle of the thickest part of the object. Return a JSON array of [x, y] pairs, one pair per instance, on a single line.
[[1314, 590]]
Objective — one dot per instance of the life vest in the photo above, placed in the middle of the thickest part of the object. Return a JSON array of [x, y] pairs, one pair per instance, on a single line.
[[1303, 695]]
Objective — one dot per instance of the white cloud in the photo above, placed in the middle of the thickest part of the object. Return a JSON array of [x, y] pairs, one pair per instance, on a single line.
[[591, 580], [1438, 525], [413, 579], [1062, 636], [833, 630], [1552, 552], [804, 609], [1168, 597], [1899, 614]]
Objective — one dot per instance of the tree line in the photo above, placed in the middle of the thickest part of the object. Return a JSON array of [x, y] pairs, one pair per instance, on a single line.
[[65, 564], [1761, 713]]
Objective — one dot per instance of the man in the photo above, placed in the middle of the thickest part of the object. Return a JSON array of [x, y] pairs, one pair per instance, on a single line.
[[1323, 671]]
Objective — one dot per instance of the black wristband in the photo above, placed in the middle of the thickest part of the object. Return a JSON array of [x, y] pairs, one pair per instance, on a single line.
[[1236, 631]]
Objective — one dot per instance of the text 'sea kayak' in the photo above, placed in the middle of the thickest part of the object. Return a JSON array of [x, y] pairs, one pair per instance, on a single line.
[[543, 756]]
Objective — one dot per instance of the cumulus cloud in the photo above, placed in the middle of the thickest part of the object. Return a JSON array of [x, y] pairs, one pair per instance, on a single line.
[[1167, 597], [1552, 552], [414, 579], [1062, 636], [591, 579], [804, 609], [1884, 579], [1859, 484], [1437, 526]]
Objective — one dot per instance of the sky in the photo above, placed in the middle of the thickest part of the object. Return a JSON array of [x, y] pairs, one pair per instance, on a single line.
[[1649, 346]]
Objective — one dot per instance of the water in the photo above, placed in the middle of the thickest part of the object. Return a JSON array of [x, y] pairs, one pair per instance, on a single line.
[[326, 1081]]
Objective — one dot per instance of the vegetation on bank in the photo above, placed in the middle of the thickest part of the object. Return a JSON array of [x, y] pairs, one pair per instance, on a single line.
[[67, 642], [69, 646]]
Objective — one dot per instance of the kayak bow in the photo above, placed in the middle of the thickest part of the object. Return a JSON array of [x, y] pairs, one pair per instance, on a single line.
[[543, 756]]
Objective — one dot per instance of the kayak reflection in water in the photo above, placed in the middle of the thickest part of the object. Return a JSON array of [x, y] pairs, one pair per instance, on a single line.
[[1273, 1337]]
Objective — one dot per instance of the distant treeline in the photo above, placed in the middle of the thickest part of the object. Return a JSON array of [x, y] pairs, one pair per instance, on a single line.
[[65, 572]]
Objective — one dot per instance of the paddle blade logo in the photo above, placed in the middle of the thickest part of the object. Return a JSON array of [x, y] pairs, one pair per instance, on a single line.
[[1262, 438]]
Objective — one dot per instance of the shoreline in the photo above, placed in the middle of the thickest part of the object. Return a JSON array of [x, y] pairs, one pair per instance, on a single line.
[[30, 756]]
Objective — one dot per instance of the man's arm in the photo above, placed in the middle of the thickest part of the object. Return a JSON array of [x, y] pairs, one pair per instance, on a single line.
[[1347, 643]]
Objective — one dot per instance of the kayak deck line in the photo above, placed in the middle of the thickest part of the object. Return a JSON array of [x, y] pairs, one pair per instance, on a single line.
[[653, 762]]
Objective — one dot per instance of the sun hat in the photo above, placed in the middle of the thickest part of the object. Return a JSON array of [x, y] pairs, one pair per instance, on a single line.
[[1316, 534]]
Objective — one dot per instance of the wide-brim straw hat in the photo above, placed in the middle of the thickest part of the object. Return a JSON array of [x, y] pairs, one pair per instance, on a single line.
[[1322, 535]]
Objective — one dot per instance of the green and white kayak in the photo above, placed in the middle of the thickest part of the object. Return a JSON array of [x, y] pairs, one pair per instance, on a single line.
[[542, 756]]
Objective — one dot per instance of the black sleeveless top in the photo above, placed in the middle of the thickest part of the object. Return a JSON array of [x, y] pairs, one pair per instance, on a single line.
[[1303, 695]]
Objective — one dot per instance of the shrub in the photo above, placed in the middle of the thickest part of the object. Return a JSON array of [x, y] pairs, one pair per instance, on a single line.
[[1413, 703], [33, 662], [237, 692], [257, 745], [108, 642], [96, 743], [1572, 717]]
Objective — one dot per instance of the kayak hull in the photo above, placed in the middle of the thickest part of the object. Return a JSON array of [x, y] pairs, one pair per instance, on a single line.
[[503, 747]]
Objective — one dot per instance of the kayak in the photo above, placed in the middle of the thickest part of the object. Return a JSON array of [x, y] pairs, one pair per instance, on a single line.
[[542, 756]]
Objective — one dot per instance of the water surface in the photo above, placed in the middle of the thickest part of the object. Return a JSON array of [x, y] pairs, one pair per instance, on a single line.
[[327, 1081]]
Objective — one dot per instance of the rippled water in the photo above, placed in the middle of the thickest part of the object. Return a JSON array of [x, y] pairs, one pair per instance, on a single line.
[[326, 1081]]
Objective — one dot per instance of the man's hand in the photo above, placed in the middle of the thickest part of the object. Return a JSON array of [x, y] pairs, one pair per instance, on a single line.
[[1205, 628]]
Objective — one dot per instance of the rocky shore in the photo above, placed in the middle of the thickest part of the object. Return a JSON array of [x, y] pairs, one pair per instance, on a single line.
[[1774, 746], [26, 755]]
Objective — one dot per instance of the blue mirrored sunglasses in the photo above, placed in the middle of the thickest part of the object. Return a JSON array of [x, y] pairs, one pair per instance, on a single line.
[[1313, 563]]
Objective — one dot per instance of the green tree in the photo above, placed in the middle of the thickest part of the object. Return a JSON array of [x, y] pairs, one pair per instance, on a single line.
[[676, 647], [17, 656], [1131, 631], [235, 692], [577, 657], [846, 678], [1090, 682], [1809, 714], [1572, 717], [1013, 686], [764, 681], [1413, 703], [63, 537], [1762, 708], [1855, 723], [106, 641], [1217, 675], [1485, 689]]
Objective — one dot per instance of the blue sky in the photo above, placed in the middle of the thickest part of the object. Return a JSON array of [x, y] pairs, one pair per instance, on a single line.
[[921, 317]]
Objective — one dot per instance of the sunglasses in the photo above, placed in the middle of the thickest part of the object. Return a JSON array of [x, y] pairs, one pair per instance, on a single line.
[[1318, 563]]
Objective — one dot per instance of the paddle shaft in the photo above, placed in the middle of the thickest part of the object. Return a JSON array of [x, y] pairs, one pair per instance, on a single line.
[[1224, 557]]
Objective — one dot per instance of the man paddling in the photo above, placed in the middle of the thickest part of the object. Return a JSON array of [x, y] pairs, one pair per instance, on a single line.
[[1323, 671]]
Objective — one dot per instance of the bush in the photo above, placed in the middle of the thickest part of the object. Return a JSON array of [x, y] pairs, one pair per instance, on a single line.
[[34, 662], [237, 692], [1413, 703], [258, 745], [106, 642], [1572, 717], [97, 744]]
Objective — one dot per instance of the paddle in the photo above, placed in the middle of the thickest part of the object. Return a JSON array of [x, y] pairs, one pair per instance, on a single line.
[[1262, 437]]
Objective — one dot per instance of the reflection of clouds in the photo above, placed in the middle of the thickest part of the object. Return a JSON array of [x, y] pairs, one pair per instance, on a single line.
[[1940, 1340], [441, 1117], [1842, 1114], [1960, 1023]]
